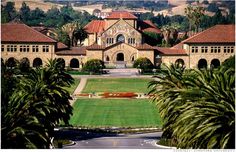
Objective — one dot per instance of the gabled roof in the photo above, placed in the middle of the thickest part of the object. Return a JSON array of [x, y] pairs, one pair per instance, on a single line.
[[61, 45], [95, 26], [17, 32], [73, 51], [215, 34], [121, 14], [170, 51], [144, 46], [95, 46], [148, 26]]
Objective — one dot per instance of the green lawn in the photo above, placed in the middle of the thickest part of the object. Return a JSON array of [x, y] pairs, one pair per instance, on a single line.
[[117, 85], [72, 88], [115, 112]]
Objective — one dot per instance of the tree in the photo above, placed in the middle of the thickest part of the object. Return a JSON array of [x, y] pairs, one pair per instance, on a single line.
[[198, 110], [79, 34], [194, 15], [63, 37], [38, 103], [166, 30], [24, 12], [230, 62], [36, 17], [94, 66], [144, 64], [70, 28]]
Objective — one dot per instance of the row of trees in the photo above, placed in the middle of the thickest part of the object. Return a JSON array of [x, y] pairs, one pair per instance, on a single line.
[[54, 17], [197, 107], [33, 104]]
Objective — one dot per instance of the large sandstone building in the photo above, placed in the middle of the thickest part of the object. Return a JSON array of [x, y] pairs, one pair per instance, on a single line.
[[118, 40]]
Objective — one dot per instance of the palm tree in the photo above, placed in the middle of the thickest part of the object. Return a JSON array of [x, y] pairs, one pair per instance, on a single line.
[[209, 122], [194, 15], [197, 107], [80, 34], [37, 105], [166, 30]]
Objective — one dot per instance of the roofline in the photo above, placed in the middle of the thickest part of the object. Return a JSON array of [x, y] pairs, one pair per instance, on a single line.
[[185, 41], [53, 41], [2, 41]]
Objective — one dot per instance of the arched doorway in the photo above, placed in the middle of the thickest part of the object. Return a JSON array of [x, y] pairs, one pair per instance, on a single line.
[[202, 63], [74, 63], [215, 63], [11, 62], [24, 63], [120, 57], [179, 62], [120, 38], [62, 61], [37, 62]]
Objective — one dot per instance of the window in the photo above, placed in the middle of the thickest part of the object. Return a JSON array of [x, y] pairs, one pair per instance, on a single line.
[[131, 40], [35, 48], [120, 38], [215, 49], [194, 49], [232, 49], [218, 49], [45, 48], [204, 49], [110, 40], [225, 49], [2, 48], [11, 48], [8, 48], [27, 48]]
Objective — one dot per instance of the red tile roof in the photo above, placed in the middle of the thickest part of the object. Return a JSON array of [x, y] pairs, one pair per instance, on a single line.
[[148, 26], [215, 34], [61, 45], [121, 14], [73, 51], [170, 51], [95, 26], [144, 46], [15, 32], [95, 47]]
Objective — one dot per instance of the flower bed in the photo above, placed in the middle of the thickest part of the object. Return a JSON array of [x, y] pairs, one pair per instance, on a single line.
[[83, 94], [119, 95]]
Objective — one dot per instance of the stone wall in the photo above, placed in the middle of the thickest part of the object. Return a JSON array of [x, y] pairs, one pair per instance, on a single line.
[[44, 56], [147, 53]]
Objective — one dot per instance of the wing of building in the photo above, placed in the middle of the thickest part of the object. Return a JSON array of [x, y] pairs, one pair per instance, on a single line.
[[117, 40]]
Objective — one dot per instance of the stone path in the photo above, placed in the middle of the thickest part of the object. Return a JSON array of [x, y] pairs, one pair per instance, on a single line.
[[79, 89]]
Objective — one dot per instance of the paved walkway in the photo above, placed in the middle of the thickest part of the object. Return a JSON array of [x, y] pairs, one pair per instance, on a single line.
[[79, 89], [129, 141]]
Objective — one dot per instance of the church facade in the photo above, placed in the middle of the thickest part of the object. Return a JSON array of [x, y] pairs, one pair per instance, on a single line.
[[118, 40]]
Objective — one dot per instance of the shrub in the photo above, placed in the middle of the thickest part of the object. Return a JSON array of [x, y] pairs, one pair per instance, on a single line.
[[94, 66], [143, 63]]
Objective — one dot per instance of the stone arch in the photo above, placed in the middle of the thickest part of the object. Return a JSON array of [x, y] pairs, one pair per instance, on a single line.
[[11, 62], [120, 57], [202, 63], [215, 63], [37, 62], [120, 38], [74, 63], [62, 61], [25, 62], [179, 62], [132, 57], [107, 58]]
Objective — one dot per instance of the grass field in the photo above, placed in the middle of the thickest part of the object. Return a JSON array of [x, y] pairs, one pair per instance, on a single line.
[[115, 112], [72, 88], [117, 85]]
